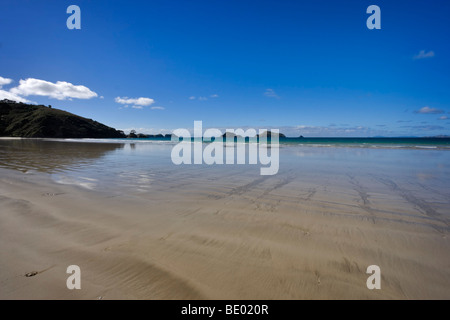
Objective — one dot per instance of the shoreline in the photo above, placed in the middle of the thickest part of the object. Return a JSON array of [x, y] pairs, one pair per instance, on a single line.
[[281, 144]]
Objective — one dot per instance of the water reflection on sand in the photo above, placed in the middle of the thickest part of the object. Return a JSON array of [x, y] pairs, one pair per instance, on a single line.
[[135, 166], [51, 155]]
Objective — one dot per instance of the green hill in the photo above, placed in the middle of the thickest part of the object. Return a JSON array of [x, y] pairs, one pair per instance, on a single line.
[[38, 121]]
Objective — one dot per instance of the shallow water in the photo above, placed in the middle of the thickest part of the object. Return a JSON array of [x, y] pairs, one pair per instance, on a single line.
[[138, 167]]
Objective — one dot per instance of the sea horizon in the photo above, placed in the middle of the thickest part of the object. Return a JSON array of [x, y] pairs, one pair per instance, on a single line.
[[441, 143]]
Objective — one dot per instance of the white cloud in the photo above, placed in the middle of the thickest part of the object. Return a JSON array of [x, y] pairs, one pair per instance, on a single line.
[[135, 101], [423, 55], [11, 96], [271, 93], [443, 118], [4, 81], [428, 110], [157, 108], [214, 96], [60, 90], [137, 107], [192, 98], [202, 98]]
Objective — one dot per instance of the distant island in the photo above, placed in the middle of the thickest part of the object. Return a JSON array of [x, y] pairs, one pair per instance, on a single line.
[[39, 121], [266, 134], [134, 135]]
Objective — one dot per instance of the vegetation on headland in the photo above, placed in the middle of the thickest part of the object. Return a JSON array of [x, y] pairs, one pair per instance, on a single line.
[[39, 121]]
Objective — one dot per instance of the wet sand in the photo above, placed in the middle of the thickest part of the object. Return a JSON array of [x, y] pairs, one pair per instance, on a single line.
[[227, 233]]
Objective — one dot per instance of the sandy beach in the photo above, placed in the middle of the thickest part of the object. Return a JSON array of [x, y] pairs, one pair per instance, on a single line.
[[226, 233]]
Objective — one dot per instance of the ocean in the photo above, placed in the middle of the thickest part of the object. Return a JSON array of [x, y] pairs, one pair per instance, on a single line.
[[380, 142], [138, 165]]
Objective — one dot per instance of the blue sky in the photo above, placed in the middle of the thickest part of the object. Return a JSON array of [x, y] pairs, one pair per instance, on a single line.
[[306, 67]]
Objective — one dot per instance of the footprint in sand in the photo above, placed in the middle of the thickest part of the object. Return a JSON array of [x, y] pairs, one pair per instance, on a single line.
[[317, 274]]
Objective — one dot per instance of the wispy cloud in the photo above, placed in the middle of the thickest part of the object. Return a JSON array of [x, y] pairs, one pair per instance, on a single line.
[[331, 131], [425, 128], [423, 55], [443, 118], [157, 108], [143, 102], [61, 90], [202, 98], [137, 107], [403, 121], [428, 110], [271, 93]]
